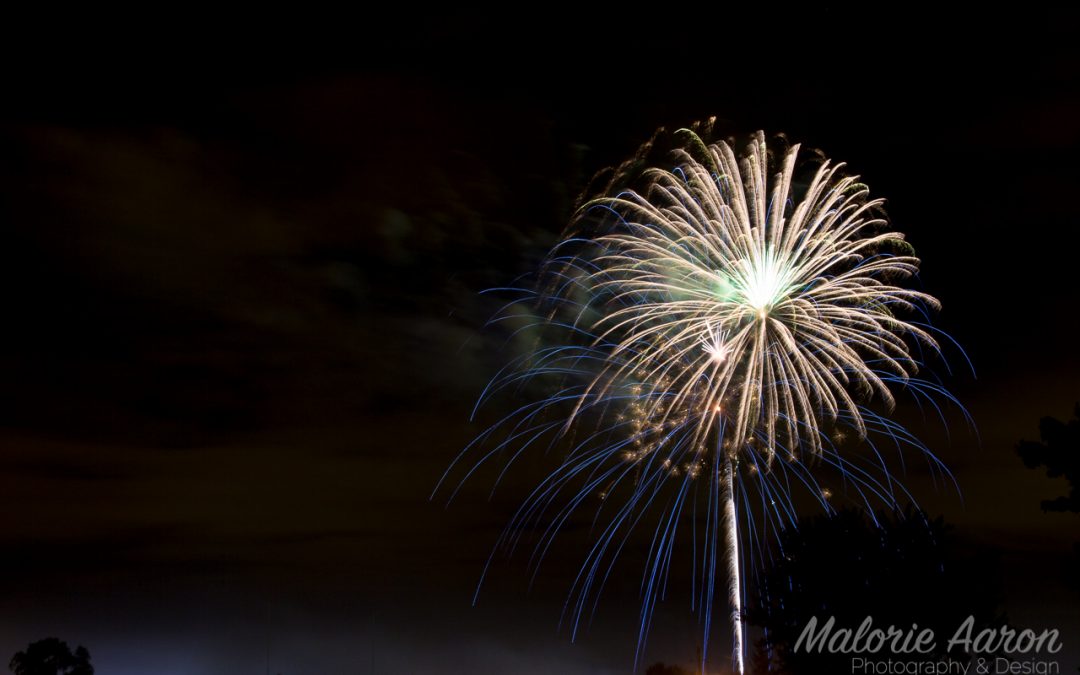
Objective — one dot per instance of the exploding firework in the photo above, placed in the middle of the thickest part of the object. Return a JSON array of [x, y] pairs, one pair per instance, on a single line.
[[702, 337]]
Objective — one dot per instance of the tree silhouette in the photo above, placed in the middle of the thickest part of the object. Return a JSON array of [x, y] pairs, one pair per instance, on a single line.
[[51, 656], [1059, 452], [904, 571]]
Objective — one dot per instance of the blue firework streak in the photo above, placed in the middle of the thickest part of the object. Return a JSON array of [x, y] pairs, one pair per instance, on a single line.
[[711, 340]]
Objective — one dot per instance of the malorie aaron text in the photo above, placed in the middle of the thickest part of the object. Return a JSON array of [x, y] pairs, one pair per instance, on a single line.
[[869, 640]]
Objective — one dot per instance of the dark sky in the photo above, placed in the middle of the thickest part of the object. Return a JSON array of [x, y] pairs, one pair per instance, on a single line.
[[243, 330]]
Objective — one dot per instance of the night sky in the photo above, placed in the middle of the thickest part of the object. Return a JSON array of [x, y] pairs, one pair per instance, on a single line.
[[243, 327]]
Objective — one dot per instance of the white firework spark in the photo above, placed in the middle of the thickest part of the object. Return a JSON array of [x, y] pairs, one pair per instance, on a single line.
[[715, 318], [801, 299]]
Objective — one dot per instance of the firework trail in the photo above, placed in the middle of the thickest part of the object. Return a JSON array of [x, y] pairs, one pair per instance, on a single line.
[[702, 337]]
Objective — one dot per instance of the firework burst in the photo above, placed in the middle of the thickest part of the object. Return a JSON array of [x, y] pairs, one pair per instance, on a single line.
[[707, 329]]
